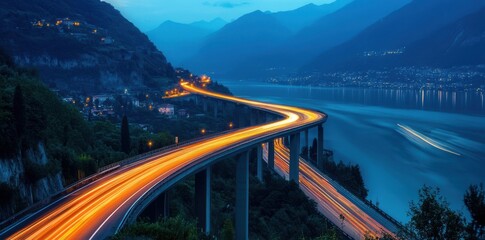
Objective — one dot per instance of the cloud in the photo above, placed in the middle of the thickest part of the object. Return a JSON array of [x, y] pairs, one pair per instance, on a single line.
[[225, 4]]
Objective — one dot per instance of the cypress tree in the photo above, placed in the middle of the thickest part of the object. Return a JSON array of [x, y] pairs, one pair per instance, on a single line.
[[125, 136], [19, 111]]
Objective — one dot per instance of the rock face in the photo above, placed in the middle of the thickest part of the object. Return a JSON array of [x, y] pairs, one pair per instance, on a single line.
[[13, 174], [84, 45]]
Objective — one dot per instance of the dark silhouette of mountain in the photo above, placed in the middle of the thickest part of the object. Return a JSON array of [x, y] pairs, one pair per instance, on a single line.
[[84, 45], [328, 31], [385, 43], [212, 26], [238, 40], [179, 41], [337, 28], [242, 45], [461, 43], [297, 19]]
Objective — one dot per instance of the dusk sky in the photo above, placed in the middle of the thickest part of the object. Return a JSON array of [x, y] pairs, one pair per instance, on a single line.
[[148, 14]]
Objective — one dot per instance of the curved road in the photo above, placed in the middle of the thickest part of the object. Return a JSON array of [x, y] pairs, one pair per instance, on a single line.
[[97, 210], [333, 200]]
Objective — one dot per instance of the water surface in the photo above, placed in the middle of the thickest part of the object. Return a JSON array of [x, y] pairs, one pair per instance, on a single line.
[[402, 139]]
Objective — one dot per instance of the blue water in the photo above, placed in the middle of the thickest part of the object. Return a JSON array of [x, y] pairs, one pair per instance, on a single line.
[[443, 146]]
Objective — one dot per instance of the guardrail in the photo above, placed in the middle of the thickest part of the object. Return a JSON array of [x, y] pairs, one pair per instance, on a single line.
[[103, 171]]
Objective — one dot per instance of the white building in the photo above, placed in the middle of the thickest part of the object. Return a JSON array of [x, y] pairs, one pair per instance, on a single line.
[[166, 109]]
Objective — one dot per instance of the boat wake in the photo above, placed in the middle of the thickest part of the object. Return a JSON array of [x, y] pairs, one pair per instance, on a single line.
[[426, 139]]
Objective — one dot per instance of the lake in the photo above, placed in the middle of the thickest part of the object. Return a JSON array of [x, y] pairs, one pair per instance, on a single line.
[[402, 139]]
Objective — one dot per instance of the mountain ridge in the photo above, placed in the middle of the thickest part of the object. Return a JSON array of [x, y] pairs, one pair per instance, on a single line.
[[380, 45], [86, 45]]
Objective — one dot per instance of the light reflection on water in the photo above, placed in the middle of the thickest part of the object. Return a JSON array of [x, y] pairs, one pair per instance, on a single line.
[[467, 102], [362, 128]]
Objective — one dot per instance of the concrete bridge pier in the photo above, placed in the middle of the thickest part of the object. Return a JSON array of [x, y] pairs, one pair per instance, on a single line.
[[240, 116], [271, 155], [242, 196], [203, 200], [204, 104], [261, 117], [158, 208], [253, 119], [216, 108], [306, 145], [320, 147], [259, 162], [294, 157]]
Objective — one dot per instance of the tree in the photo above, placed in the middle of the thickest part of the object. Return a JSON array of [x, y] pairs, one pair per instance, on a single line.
[[431, 217], [125, 136], [475, 202], [19, 110], [313, 150], [227, 232]]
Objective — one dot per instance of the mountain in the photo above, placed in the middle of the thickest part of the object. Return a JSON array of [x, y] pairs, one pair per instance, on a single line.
[[238, 40], [212, 26], [297, 19], [383, 43], [461, 43], [241, 46], [84, 45], [180, 41], [334, 29]]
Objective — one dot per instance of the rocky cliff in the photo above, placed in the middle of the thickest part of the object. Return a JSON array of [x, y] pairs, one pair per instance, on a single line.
[[83, 45], [23, 193]]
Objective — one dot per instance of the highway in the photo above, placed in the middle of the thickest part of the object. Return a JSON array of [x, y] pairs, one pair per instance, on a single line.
[[97, 210], [332, 199]]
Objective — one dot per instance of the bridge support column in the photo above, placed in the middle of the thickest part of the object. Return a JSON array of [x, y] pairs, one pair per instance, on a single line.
[[307, 153], [203, 199], [204, 104], [271, 155], [158, 208], [320, 147], [294, 157], [216, 108], [259, 163], [242, 196], [241, 115], [166, 206], [253, 117]]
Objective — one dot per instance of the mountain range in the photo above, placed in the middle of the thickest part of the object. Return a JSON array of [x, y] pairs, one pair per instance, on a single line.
[[341, 36], [247, 44], [233, 53], [180, 41], [405, 37], [85, 45]]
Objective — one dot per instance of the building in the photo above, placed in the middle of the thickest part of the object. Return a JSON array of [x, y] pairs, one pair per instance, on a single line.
[[182, 113], [167, 109]]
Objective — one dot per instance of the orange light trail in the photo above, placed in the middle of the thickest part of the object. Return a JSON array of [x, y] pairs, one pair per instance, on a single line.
[[330, 201], [95, 210]]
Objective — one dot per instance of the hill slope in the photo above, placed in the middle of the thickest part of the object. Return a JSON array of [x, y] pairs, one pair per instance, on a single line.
[[383, 43], [241, 39], [85, 45], [180, 41], [461, 43], [328, 31], [241, 47], [297, 19]]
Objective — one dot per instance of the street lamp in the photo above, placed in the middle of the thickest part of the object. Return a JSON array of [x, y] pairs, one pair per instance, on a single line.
[[231, 125], [202, 131], [150, 144]]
